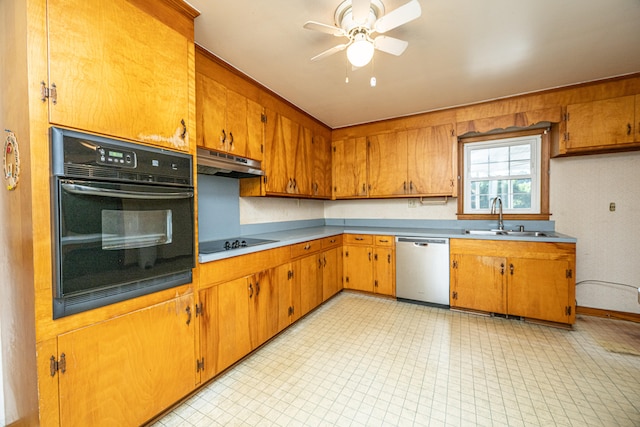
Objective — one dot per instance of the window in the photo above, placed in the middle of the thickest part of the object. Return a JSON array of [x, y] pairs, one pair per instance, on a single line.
[[510, 168]]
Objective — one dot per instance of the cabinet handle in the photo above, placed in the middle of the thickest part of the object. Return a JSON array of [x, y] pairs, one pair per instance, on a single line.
[[511, 268], [411, 186], [325, 261], [375, 283], [364, 189], [383, 241], [332, 241], [183, 135], [404, 185], [319, 262], [188, 310], [359, 238], [628, 128], [369, 256], [257, 288], [307, 247], [502, 269], [250, 290], [223, 138], [389, 258], [375, 257], [231, 136]]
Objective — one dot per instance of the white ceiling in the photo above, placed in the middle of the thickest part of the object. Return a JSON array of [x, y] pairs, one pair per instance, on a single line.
[[460, 52]]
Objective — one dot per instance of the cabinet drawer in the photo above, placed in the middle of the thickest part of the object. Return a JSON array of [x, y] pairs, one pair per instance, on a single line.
[[358, 239], [384, 240], [305, 248], [330, 242]]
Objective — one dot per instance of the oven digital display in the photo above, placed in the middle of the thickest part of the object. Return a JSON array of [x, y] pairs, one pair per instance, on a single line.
[[116, 154]]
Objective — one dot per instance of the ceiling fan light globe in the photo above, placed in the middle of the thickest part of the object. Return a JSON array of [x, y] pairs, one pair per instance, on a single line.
[[360, 53]]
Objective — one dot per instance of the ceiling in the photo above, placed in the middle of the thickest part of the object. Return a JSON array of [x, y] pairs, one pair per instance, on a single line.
[[460, 52]]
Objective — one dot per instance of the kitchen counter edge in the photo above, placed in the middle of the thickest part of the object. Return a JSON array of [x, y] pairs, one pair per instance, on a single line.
[[299, 235]]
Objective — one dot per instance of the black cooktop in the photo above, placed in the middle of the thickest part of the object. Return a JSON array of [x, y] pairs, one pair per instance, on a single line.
[[230, 244]]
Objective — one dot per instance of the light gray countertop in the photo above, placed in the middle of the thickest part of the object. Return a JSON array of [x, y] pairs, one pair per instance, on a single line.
[[298, 235]]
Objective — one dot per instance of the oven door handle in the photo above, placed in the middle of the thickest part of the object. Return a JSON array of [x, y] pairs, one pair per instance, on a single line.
[[122, 194]]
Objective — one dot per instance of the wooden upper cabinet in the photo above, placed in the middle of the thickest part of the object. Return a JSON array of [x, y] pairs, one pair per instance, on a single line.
[[226, 120], [413, 162], [118, 71], [599, 125], [321, 153], [286, 162], [349, 168], [387, 164], [431, 161]]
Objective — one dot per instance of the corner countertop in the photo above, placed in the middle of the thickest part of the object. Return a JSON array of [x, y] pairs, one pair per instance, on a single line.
[[299, 235]]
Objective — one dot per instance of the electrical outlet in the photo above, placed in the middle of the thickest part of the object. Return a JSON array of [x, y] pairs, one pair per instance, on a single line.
[[413, 203], [612, 207]]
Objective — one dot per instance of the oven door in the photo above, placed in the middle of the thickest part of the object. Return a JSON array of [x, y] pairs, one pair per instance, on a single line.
[[116, 241]]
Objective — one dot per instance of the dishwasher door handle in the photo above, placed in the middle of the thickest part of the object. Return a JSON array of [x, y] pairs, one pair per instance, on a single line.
[[420, 244]]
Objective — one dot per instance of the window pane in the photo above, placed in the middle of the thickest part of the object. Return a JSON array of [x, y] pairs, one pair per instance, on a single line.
[[500, 154], [520, 167], [521, 152], [480, 170], [499, 169]]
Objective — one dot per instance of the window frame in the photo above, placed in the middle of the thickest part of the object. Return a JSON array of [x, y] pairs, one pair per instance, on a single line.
[[543, 161]]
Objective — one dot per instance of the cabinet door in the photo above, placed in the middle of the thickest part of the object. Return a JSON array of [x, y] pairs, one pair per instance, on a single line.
[[211, 105], [321, 154], [280, 161], [209, 337], [255, 130], [539, 289], [600, 123], [302, 148], [233, 323], [388, 164], [358, 269], [637, 117], [310, 278], [383, 271], [477, 282], [284, 277], [431, 160], [331, 272], [118, 71], [264, 311], [350, 168], [126, 370], [236, 128]]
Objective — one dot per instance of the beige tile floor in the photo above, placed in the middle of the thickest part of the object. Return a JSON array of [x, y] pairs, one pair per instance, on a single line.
[[365, 361]]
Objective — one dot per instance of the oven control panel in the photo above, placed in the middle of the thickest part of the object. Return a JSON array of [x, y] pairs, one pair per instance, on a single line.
[[116, 157]]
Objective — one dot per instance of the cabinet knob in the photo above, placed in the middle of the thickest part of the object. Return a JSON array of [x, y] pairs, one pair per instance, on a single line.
[[502, 269], [511, 269], [628, 128]]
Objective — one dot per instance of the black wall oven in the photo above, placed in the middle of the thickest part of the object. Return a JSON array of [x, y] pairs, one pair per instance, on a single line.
[[123, 220]]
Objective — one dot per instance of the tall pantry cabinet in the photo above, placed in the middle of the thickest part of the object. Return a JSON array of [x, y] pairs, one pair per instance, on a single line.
[[103, 68]]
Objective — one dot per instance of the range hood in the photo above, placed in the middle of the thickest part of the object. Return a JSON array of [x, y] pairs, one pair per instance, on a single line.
[[222, 164]]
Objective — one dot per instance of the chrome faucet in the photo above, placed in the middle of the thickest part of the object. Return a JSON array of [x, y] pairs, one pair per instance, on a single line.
[[493, 211]]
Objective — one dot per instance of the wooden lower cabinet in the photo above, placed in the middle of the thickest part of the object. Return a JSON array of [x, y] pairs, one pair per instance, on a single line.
[[331, 272], [309, 275], [236, 318], [527, 279], [369, 263], [288, 294], [126, 370]]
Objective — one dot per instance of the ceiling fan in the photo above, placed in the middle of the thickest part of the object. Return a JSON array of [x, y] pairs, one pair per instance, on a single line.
[[359, 20]]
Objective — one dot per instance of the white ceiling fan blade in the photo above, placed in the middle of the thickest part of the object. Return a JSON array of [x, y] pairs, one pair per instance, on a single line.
[[324, 28], [390, 45], [329, 52], [395, 18], [360, 10]]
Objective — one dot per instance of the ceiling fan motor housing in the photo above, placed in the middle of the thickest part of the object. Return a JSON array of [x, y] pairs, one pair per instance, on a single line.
[[344, 17]]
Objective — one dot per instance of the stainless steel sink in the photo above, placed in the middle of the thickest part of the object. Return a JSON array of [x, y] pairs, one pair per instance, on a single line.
[[507, 233]]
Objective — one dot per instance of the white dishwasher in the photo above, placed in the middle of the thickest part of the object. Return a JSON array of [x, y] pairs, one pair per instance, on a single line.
[[422, 270]]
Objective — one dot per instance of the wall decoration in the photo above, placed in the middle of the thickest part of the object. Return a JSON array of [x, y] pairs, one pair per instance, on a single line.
[[11, 161]]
